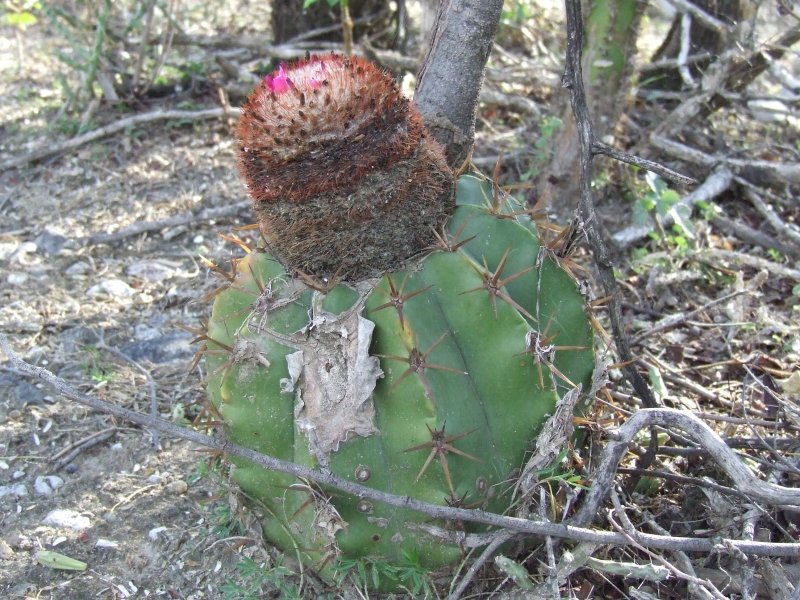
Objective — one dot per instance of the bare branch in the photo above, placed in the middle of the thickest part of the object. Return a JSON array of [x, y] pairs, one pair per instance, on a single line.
[[700, 433], [642, 163], [173, 221], [573, 80], [536, 528], [111, 129]]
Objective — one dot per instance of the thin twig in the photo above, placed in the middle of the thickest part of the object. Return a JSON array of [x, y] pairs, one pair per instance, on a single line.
[[151, 385], [68, 454], [52, 149], [498, 540], [642, 163], [788, 231], [180, 219], [678, 319], [774, 172], [535, 528]]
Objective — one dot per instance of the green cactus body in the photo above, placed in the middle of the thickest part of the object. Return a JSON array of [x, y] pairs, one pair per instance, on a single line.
[[444, 395]]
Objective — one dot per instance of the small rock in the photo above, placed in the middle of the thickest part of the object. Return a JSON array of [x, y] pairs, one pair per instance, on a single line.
[[198, 239], [162, 349], [154, 478], [47, 484], [24, 248], [51, 241], [77, 269], [153, 533], [17, 475], [152, 271], [16, 278], [17, 490], [177, 487], [71, 469], [20, 390], [115, 288], [72, 340], [103, 543], [68, 519], [6, 551], [7, 249]]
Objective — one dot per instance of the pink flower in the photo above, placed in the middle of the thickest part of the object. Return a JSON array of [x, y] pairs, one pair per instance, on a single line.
[[278, 83]]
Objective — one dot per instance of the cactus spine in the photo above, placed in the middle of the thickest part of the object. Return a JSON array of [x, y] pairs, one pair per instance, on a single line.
[[430, 381]]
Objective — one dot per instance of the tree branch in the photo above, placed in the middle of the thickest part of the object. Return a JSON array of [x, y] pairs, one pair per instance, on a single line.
[[536, 528], [699, 432]]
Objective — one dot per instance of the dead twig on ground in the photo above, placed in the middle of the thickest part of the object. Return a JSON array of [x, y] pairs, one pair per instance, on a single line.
[[773, 172], [788, 231], [174, 221], [680, 318], [110, 129], [498, 539], [701, 434], [644, 418], [65, 456]]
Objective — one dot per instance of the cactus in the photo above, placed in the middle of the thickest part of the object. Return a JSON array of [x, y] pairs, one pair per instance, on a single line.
[[430, 381]]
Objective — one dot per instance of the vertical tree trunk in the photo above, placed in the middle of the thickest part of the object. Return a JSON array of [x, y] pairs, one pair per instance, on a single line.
[[290, 19], [611, 31], [702, 40], [452, 74]]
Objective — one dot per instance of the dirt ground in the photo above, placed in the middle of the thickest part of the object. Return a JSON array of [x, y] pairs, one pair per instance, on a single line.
[[132, 512], [150, 521]]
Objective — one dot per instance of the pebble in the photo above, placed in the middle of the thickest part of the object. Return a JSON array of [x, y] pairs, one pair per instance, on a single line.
[[51, 242], [115, 288], [69, 519], [47, 484], [177, 487], [18, 475], [20, 390], [153, 271], [77, 269], [6, 551], [24, 248], [16, 278], [161, 349], [17, 490]]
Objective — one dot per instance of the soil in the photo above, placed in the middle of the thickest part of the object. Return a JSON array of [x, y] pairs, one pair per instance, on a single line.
[[146, 527]]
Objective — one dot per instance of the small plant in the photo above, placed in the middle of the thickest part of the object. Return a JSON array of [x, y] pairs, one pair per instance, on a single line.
[[98, 370], [548, 127], [662, 201], [258, 581]]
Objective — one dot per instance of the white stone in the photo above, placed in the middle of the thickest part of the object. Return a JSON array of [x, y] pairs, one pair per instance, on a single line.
[[68, 519], [47, 484], [113, 287]]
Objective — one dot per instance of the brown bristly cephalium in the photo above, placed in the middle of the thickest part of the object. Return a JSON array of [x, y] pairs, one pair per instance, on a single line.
[[342, 172]]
